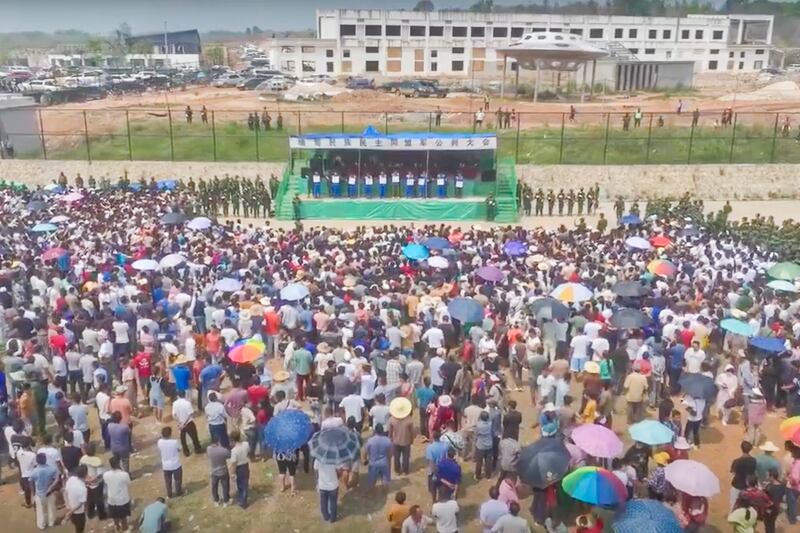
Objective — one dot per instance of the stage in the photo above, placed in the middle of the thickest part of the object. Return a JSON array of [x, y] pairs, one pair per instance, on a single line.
[[433, 209]]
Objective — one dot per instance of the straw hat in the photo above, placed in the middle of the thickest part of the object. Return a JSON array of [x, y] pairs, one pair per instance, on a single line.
[[591, 367], [661, 458], [769, 446], [182, 360], [400, 408], [280, 376], [445, 400], [323, 347], [121, 389], [92, 460], [682, 444]]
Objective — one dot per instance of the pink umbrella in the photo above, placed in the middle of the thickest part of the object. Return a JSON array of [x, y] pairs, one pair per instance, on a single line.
[[490, 273], [53, 253], [71, 197], [577, 456], [692, 478], [597, 441]]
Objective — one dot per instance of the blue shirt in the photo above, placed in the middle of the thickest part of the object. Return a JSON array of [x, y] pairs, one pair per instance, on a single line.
[[210, 373], [378, 448], [676, 354], [434, 453], [152, 517], [450, 471], [425, 396], [42, 477], [182, 375]]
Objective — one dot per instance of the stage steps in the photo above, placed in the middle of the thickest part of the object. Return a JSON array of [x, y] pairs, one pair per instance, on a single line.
[[506, 195]]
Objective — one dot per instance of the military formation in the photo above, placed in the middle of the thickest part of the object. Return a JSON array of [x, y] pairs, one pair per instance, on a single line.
[[561, 203]]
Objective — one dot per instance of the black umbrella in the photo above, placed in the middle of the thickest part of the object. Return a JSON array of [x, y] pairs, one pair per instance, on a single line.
[[36, 205], [334, 446], [544, 462], [549, 308], [171, 219], [627, 318], [630, 289], [698, 386]]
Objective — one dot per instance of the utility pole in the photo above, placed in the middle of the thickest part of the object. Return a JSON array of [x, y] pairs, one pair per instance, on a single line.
[[166, 46]]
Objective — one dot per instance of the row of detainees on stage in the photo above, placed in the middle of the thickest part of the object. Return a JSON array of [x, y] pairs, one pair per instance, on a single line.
[[412, 186]]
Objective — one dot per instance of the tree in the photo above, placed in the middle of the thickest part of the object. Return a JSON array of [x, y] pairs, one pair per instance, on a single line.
[[482, 6], [256, 30], [215, 55], [425, 6], [94, 49]]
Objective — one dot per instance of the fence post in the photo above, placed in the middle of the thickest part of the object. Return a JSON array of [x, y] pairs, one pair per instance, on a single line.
[[128, 128], [258, 154], [516, 146], [386, 123], [299, 124], [733, 137], [691, 141], [342, 121], [41, 134], [214, 135], [561, 145], [86, 136], [774, 139], [171, 137], [649, 136], [605, 141], [430, 122]]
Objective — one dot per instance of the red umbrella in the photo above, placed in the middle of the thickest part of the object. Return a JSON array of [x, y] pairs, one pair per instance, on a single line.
[[660, 241], [53, 253]]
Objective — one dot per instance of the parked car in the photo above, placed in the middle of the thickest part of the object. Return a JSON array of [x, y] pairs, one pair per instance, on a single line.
[[390, 86], [772, 70], [319, 78], [360, 83], [277, 83], [250, 84], [40, 85], [228, 80], [415, 89]]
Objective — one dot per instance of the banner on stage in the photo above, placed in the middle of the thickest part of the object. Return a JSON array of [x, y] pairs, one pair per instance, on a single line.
[[395, 142]]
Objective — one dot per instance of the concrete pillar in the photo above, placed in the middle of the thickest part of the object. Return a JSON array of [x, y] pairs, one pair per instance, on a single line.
[[538, 81], [583, 82], [591, 87], [503, 80], [740, 32]]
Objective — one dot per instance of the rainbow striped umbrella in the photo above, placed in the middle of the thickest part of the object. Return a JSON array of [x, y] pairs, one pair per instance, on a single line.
[[247, 351], [662, 267], [596, 486], [790, 429], [571, 292]]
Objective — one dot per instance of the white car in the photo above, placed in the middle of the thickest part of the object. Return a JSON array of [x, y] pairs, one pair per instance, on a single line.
[[275, 84], [319, 78], [229, 80], [46, 85]]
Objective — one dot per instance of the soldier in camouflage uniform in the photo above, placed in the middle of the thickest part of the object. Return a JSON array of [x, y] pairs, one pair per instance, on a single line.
[[581, 200], [570, 202], [561, 197], [551, 202]]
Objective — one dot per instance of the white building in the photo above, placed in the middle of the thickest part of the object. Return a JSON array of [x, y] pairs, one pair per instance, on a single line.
[[455, 43]]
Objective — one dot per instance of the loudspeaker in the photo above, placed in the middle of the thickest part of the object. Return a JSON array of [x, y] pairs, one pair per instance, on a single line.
[[489, 175]]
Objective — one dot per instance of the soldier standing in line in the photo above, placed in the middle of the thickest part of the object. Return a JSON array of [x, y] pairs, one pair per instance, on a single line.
[[250, 121], [236, 196], [520, 192], [596, 196], [296, 203], [590, 201], [602, 223], [626, 121], [190, 185], [204, 115], [539, 197], [561, 197], [527, 200], [570, 202], [189, 114], [551, 202], [274, 184], [279, 122], [267, 121], [62, 180], [581, 200], [78, 181], [256, 122], [491, 207], [92, 182], [619, 207]]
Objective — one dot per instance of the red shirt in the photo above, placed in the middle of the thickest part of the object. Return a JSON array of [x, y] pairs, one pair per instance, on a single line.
[[58, 343], [142, 364], [272, 323], [256, 393], [468, 352], [686, 336]]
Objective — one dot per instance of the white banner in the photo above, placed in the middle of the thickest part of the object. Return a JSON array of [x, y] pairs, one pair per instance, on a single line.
[[478, 142]]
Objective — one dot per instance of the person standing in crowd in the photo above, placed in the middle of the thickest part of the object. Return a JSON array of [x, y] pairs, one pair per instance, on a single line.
[[117, 483], [170, 452]]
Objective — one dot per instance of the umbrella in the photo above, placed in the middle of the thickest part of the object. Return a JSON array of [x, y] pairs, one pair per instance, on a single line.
[[166, 185], [631, 220], [71, 197], [436, 243], [58, 219], [53, 253], [288, 430], [294, 292], [790, 429], [786, 270], [171, 260], [737, 326], [777, 284], [44, 228], [515, 248], [415, 252], [490, 273], [171, 219], [689, 231], [576, 454], [698, 386], [768, 344], [596, 486], [228, 285], [597, 440], [629, 319], [651, 432], [247, 351], [638, 243], [660, 241], [549, 308], [692, 477], [571, 292], [36, 205], [53, 187], [438, 261], [465, 310], [543, 463], [334, 446], [662, 267], [199, 223], [146, 264], [630, 289], [646, 516]]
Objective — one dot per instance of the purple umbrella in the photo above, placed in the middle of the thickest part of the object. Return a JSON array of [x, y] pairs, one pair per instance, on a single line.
[[597, 441], [490, 273], [515, 248]]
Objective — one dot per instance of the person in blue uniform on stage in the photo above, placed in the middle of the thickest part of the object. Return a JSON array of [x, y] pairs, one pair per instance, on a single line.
[[336, 184], [410, 182], [316, 184], [352, 185], [459, 185], [396, 184], [368, 185], [382, 183], [422, 185], [441, 185]]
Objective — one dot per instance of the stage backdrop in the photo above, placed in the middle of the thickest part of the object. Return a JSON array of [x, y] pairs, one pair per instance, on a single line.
[[371, 139]]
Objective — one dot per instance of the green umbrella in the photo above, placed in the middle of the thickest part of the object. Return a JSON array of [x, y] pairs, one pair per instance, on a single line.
[[785, 270]]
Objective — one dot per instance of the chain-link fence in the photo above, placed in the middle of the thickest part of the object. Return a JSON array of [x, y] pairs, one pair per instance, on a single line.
[[168, 134]]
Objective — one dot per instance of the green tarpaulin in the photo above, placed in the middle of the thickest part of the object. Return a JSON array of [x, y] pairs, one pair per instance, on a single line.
[[393, 210]]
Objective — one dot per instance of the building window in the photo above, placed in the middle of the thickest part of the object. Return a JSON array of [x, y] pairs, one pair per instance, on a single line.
[[652, 34], [632, 33], [760, 52], [347, 66], [685, 34], [457, 66], [434, 54], [329, 66], [328, 53], [436, 31], [576, 31], [758, 65], [717, 35], [373, 49], [698, 34], [309, 66], [346, 54], [712, 65], [554, 30], [517, 32], [730, 54], [666, 34], [393, 31], [730, 65], [347, 30], [372, 66], [500, 32], [417, 31], [373, 30], [596, 33], [307, 49], [634, 51], [713, 51], [458, 50], [459, 31], [649, 51], [741, 54], [741, 65], [618, 33], [668, 54], [478, 31], [287, 49], [434, 67], [287, 66]]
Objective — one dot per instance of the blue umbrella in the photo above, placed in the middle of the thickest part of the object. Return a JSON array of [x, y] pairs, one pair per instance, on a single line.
[[294, 292], [44, 228], [632, 220], [515, 248], [436, 243], [36, 205], [737, 326], [465, 310], [646, 516], [334, 446], [288, 430], [768, 344], [166, 185], [698, 386], [651, 432], [415, 252]]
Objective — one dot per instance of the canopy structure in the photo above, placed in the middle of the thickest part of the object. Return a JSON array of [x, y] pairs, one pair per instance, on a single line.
[[371, 139]]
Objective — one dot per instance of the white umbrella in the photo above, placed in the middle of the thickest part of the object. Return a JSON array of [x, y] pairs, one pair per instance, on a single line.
[[199, 223], [145, 264], [571, 292], [437, 261], [72, 197], [639, 243], [782, 285], [171, 260], [228, 285], [58, 219]]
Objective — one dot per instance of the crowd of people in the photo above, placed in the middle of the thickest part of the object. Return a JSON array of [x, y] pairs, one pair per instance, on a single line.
[[120, 310]]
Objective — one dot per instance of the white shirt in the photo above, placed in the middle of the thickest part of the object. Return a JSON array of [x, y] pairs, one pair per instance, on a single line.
[[694, 360], [120, 328], [434, 337], [101, 400], [86, 363], [170, 452], [59, 366], [368, 386], [580, 346], [436, 365], [334, 178], [353, 405], [592, 329], [27, 462], [327, 477], [117, 484], [215, 413], [446, 516], [511, 524], [75, 495], [600, 346]]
